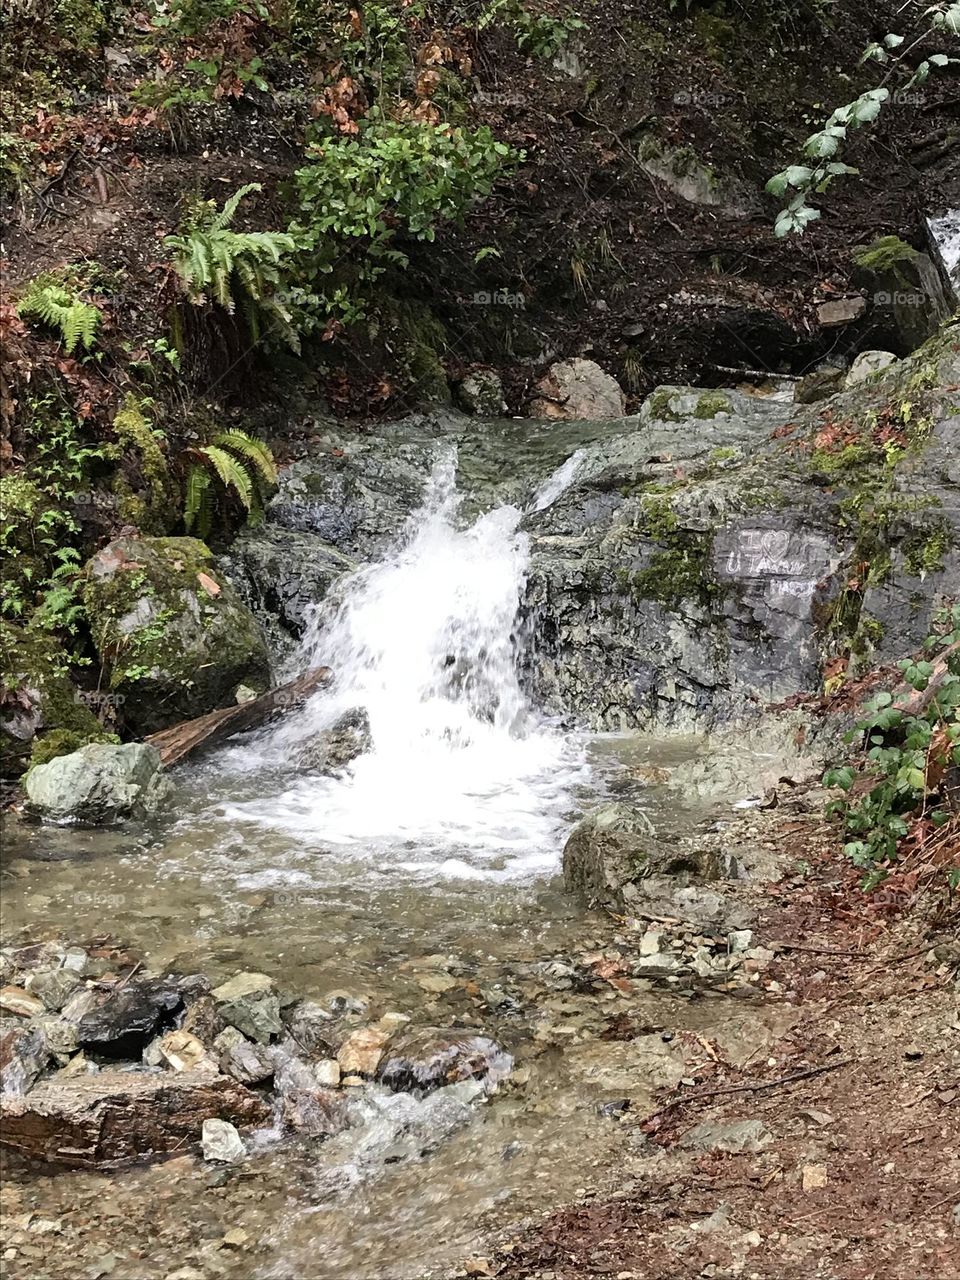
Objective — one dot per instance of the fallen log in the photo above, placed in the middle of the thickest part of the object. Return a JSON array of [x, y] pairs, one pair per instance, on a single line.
[[114, 1118], [182, 740]]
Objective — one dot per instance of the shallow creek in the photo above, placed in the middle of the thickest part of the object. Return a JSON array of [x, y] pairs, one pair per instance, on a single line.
[[422, 879]]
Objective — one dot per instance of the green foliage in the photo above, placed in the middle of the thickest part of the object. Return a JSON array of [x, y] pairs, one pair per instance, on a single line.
[[821, 151], [220, 267], [912, 747], [134, 430], [242, 466], [541, 34], [48, 301]]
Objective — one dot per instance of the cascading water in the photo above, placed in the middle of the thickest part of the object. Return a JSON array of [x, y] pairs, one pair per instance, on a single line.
[[463, 777]]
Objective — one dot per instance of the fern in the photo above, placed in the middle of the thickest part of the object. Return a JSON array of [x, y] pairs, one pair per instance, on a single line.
[[55, 306], [215, 263], [242, 465]]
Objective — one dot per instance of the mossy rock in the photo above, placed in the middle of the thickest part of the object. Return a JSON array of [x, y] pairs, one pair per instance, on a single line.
[[904, 288], [41, 698], [173, 635]]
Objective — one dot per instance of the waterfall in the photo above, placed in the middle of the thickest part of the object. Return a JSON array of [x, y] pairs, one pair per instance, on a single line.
[[463, 775]]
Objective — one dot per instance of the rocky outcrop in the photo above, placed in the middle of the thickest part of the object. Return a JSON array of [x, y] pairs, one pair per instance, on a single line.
[[173, 635], [907, 293], [713, 553], [100, 783]]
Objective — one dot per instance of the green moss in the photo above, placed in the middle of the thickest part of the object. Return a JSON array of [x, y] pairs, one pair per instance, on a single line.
[[717, 34], [420, 338], [660, 405], [680, 573], [852, 457], [886, 254], [711, 403], [925, 551], [135, 433], [656, 518]]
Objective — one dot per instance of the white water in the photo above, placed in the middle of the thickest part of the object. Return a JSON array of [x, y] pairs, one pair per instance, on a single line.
[[464, 778], [945, 233]]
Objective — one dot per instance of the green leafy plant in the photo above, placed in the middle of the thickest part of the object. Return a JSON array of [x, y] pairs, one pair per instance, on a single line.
[[50, 302], [908, 785], [541, 34], [236, 463], [821, 151], [220, 267]]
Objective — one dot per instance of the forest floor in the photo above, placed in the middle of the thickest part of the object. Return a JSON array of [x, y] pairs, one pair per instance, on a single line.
[[843, 1139]]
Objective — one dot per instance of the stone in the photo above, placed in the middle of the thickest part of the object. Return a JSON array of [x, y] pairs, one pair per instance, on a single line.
[[221, 1142], [59, 1034], [311, 1027], [361, 1052], [909, 300], [202, 1019], [100, 783], [24, 1054], [243, 693], [54, 987], [739, 940], [819, 385], [577, 389], [121, 1022], [481, 393], [242, 984], [314, 1112], [256, 1015], [117, 1117], [327, 1073], [172, 647], [607, 850], [684, 173], [650, 942], [333, 749], [737, 1137], [430, 1058], [813, 1177], [20, 1002], [238, 1057], [840, 311], [867, 365], [184, 1052], [436, 983]]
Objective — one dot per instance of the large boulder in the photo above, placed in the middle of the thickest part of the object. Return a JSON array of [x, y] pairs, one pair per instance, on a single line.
[[577, 389], [40, 699], [99, 783], [172, 633]]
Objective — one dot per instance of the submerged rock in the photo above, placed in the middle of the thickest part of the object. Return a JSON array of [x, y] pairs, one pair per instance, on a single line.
[[122, 1022], [430, 1058], [100, 783], [170, 630], [238, 1057], [334, 748]]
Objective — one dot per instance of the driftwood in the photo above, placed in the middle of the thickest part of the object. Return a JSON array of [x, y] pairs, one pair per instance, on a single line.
[[113, 1118], [181, 740]]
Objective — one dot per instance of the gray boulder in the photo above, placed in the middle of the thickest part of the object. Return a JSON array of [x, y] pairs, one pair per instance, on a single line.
[[428, 1059], [100, 783], [908, 295], [481, 393], [333, 749]]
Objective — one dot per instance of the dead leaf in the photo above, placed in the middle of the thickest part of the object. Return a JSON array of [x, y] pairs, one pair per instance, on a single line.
[[210, 587]]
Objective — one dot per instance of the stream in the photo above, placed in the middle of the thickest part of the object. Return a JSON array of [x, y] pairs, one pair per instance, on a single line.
[[422, 878]]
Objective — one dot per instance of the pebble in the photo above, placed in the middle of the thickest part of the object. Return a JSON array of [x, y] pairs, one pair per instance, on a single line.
[[327, 1072], [242, 984], [221, 1142]]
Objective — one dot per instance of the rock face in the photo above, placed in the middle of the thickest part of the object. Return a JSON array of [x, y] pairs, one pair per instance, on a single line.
[[577, 389], [908, 296], [99, 783], [699, 563], [114, 1117], [171, 631]]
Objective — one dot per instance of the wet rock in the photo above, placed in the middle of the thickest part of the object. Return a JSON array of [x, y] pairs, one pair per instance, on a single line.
[[221, 1142], [820, 385], [607, 850], [308, 1107], [311, 1027], [242, 984], [249, 1063], [115, 1117], [866, 365], [256, 1015], [121, 1022], [100, 783], [327, 1072], [361, 1052], [736, 1138], [54, 988], [24, 1054], [17, 1001], [430, 1058], [202, 1019], [481, 393], [577, 389], [334, 748], [59, 1034]]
